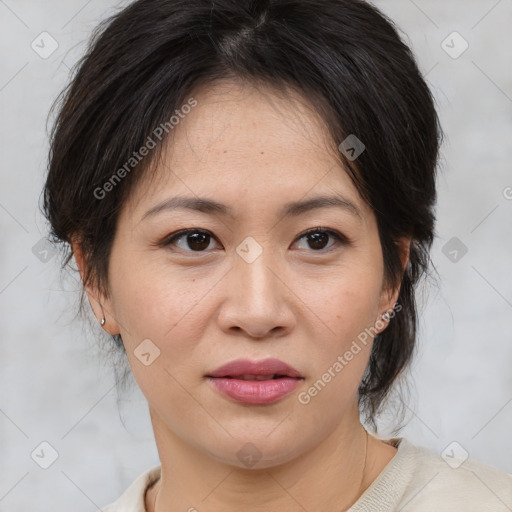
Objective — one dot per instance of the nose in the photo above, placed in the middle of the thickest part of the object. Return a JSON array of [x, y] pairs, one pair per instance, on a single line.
[[257, 299]]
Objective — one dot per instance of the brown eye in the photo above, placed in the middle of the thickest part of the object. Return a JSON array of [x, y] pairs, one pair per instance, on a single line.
[[198, 240], [195, 240], [318, 238]]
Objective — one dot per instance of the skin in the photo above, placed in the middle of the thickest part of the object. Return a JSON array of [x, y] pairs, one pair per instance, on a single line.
[[253, 151]]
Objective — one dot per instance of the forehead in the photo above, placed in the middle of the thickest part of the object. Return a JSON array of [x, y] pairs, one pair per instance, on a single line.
[[242, 142], [239, 117]]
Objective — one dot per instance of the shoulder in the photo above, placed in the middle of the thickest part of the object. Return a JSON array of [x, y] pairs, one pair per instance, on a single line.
[[132, 499], [418, 479], [452, 481]]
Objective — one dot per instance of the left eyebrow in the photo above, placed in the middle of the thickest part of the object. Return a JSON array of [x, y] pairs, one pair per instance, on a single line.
[[292, 209], [299, 207]]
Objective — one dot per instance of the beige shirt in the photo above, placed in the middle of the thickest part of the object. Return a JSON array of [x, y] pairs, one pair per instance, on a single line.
[[414, 480]]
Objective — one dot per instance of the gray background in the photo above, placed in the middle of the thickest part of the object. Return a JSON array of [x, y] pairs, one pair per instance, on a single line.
[[53, 385]]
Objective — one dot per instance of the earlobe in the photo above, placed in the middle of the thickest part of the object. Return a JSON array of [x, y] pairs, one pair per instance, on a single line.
[[389, 300], [77, 253], [405, 250], [101, 312], [80, 262], [383, 320]]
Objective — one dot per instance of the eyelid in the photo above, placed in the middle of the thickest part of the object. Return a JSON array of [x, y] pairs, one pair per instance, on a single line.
[[337, 234], [170, 239], [340, 239]]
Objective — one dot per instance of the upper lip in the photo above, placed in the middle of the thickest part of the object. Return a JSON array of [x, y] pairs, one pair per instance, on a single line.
[[247, 367]]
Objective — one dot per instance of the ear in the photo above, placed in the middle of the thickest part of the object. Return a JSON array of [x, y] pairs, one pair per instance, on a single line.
[[389, 297], [100, 306]]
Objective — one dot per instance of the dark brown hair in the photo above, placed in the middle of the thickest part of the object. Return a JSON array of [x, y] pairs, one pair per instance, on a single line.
[[345, 58]]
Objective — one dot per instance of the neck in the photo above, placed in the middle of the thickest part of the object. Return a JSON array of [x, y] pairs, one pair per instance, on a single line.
[[331, 476]]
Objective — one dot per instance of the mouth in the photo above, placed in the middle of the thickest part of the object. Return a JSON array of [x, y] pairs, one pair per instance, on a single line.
[[245, 369], [253, 377], [255, 383]]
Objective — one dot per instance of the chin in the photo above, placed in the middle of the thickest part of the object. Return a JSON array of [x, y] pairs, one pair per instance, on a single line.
[[258, 451]]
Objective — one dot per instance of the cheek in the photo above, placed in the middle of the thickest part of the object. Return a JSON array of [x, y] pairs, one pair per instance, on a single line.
[[159, 324], [164, 308], [341, 356], [348, 309], [148, 299], [351, 303]]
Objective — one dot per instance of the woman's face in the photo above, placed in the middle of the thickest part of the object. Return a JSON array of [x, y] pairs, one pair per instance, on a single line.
[[250, 285]]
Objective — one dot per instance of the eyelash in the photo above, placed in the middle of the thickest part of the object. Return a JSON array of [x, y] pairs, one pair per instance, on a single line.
[[171, 239]]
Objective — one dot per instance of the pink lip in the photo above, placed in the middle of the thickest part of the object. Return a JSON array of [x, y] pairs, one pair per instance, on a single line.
[[247, 367], [255, 392]]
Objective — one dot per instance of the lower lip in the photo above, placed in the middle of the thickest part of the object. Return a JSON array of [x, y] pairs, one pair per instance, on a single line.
[[258, 392]]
